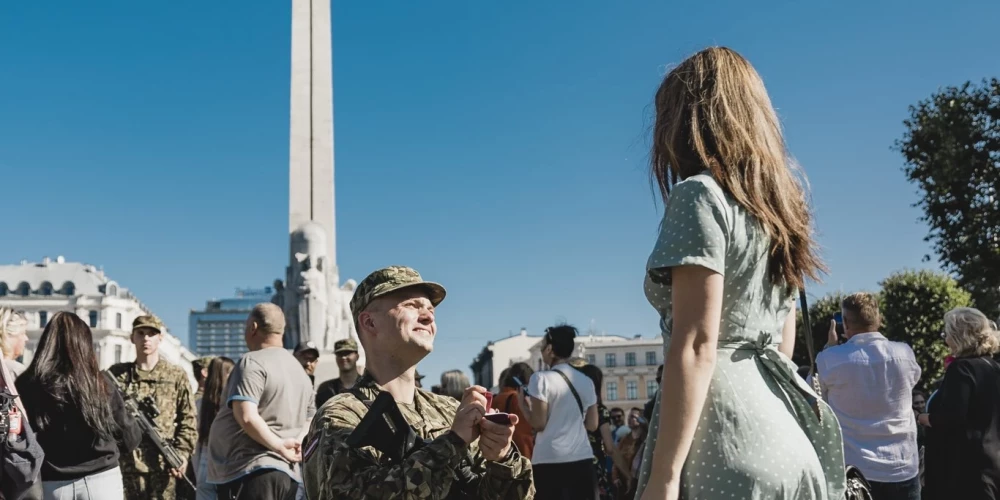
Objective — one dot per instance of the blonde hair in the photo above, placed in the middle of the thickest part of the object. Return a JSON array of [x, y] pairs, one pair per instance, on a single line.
[[11, 322], [861, 310], [971, 332], [713, 112]]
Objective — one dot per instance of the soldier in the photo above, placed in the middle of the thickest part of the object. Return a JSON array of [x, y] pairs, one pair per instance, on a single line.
[[145, 473], [465, 455], [346, 352]]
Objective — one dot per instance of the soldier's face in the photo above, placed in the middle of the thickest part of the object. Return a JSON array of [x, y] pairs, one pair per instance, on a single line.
[[404, 321], [146, 340], [347, 361]]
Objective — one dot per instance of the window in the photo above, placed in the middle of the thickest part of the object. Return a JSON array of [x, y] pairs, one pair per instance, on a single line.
[[45, 289], [632, 389], [591, 359], [118, 322], [651, 388], [93, 319], [43, 318], [612, 391], [629, 359], [118, 354], [610, 361], [650, 358]]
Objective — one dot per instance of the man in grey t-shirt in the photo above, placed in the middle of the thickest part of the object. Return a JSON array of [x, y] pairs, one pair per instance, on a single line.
[[255, 443]]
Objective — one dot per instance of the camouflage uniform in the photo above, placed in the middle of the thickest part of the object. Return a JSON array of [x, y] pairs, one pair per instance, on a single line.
[[332, 387], [333, 470], [144, 471]]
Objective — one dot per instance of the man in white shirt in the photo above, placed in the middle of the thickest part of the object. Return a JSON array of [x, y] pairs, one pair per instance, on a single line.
[[869, 381], [561, 406]]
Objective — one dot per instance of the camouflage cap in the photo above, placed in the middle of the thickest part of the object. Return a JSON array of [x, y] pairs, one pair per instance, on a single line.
[[202, 362], [346, 345], [388, 280], [148, 321]]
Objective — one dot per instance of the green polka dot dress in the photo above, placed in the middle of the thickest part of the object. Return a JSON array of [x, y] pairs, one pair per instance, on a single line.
[[763, 433]]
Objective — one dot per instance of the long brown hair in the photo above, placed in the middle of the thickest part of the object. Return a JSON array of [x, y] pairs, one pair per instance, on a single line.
[[65, 379], [212, 397], [713, 113]]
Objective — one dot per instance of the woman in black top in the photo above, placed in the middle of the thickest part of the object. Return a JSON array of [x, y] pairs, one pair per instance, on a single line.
[[78, 414], [962, 445]]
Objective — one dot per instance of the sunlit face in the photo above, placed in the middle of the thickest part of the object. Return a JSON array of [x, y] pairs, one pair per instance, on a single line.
[[347, 361], [633, 419], [401, 324], [16, 342], [919, 403], [146, 340]]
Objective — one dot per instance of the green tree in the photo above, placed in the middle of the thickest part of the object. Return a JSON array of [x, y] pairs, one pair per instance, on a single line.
[[952, 152], [820, 314], [913, 304]]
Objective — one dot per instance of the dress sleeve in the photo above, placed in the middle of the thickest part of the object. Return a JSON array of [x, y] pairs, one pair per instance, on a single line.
[[693, 231]]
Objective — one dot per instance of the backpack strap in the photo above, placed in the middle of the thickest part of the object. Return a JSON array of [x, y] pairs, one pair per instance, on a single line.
[[572, 389]]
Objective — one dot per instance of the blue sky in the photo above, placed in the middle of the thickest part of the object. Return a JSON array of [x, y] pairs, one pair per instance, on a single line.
[[498, 147]]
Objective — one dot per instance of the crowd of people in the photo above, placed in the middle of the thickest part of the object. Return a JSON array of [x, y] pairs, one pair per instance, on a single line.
[[732, 419]]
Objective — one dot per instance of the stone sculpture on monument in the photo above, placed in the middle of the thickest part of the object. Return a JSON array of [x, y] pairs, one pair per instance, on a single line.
[[316, 307]]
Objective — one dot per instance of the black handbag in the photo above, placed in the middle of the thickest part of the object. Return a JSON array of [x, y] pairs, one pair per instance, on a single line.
[[858, 487]]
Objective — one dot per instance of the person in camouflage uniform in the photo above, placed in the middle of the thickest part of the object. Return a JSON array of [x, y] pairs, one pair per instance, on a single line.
[[346, 352], [144, 472], [393, 309]]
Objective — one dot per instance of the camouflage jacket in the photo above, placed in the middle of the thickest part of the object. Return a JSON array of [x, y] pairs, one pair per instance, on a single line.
[[170, 388], [334, 470]]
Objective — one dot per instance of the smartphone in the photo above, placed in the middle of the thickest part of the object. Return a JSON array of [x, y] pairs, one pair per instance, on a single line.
[[499, 418], [520, 385], [839, 318]]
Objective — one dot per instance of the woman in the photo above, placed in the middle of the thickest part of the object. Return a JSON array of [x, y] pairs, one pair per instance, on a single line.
[[735, 243], [78, 414], [211, 401], [962, 456], [454, 383], [510, 381], [600, 440]]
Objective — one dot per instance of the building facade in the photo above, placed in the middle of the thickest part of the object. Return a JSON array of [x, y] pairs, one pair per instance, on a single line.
[[218, 329], [500, 354], [629, 366], [41, 289]]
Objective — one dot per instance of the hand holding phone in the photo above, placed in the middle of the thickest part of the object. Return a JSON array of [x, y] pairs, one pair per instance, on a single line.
[[498, 418]]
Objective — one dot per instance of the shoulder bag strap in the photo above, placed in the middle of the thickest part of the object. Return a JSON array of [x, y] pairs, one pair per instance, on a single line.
[[810, 343], [572, 389]]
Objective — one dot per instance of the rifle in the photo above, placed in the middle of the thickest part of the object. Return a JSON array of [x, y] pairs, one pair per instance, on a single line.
[[144, 411]]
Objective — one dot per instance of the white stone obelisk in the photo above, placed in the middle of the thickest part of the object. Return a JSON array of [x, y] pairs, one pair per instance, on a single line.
[[316, 306], [311, 191]]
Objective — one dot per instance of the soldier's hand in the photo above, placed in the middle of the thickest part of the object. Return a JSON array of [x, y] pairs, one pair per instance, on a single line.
[[494, 438], [179, 473], [291, 450], [470, 412]]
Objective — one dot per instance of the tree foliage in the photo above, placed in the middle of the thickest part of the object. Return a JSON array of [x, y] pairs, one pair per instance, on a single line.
[[913, 305], [820, 314], [952, 152]]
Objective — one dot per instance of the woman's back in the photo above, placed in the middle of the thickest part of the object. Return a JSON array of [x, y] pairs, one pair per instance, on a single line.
[[72, 447], [710, 229]]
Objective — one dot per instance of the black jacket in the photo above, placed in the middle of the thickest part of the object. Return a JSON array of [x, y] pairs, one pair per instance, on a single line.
[[962, 454], [72, 450]]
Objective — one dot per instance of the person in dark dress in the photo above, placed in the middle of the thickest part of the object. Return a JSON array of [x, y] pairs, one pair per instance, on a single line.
[[963, 417]]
